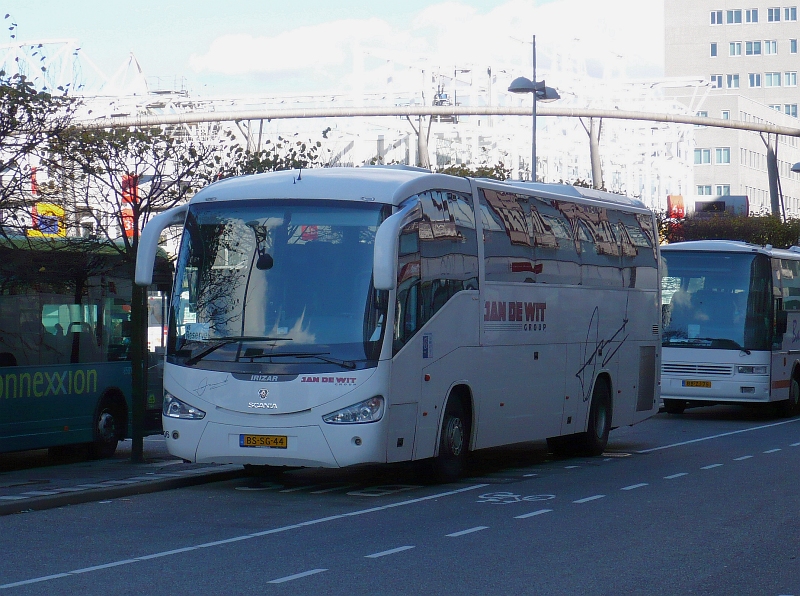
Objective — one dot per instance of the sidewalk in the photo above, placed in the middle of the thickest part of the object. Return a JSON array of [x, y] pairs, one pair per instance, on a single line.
[[32, 481]]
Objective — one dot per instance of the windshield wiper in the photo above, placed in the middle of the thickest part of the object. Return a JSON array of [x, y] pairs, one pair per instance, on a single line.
[[727, 343], [259, 353], [224, 341]]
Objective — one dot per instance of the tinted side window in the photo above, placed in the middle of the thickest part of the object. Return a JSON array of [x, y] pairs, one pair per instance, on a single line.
[[507, 236], [437, 257]]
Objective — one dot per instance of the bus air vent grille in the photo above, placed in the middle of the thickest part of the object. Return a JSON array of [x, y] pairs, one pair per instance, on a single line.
[[682, 368], [655, 329]]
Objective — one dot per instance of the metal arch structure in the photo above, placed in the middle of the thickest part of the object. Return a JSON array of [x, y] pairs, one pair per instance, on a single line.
[[407, 111]]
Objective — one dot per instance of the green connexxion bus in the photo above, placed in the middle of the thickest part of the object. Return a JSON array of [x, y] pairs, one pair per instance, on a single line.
[[65, 373]]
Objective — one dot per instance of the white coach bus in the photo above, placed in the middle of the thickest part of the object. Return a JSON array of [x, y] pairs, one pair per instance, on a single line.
[[340, 316], [731, 325]]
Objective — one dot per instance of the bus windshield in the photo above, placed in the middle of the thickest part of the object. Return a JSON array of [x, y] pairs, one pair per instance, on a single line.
[[716, 300], [262, 285]]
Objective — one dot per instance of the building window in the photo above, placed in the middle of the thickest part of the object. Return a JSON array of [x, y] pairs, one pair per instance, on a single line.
[[792, 46], [775, 106], [770, 47], [751, 15], [726, 115], [772, 79], [716, 81], [733, 81], [704, 189], [754, 79], [752, 48], [702, 156], [722, 155], [735, 48], [773, 15], [735, 16], [716, 17], [790, 109], [713, 49], [790, 79], [723, 190], [790, 13]]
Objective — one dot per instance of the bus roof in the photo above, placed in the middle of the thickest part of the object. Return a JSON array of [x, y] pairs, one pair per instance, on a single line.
[[731, 246], [382, 184]]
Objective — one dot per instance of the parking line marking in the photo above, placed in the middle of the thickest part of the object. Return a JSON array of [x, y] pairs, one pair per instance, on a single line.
[[733, 432], [289, 578], [391, 551], [532, 513], [470, 531], [330, 490], [744, 457], [278, 530], [678, 475], [771, 450], [633, 486], [297, 488], [710, 466], [587, 499]]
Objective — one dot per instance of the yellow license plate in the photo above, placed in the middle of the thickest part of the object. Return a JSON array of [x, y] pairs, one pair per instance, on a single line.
[[706, 384], [274, 441]]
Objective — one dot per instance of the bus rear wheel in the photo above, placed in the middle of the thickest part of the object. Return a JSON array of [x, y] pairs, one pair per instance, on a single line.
[[453, 443], [106, 431], [594, 440]]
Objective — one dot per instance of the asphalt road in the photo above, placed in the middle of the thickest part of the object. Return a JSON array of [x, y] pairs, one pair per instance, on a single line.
[[704, 503]]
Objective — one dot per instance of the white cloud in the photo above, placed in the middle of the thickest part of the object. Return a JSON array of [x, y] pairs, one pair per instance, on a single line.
[[627, 34]]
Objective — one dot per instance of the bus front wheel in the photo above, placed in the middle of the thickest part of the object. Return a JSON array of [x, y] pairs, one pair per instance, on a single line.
[[791, 406], [674, 406], [453, 443], [106, 430]]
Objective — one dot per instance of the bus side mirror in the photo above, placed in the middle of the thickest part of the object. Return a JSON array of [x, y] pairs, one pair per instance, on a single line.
[[781, 322], [384, 264], [148, 242]]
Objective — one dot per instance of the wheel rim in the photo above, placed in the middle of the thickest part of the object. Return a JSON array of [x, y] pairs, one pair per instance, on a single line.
[[794, 393], [454, 436], [106, 427]]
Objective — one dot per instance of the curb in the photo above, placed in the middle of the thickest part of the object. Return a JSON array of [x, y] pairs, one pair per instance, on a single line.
[[118, 488]]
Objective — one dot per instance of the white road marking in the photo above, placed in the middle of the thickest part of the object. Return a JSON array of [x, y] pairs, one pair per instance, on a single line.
[[470, 531], [289, 578], [571, 467], [330, 490], [587, 499], [532, 513], [795, 445], [297, 488], [678, 475], [744, 457], [532, 475], [391, 551], [772, 450], [733, 432], [278, 530], [710, 466], [633, 486]]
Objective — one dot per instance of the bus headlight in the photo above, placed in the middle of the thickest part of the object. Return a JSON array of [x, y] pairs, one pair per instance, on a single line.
[[369, 410], [175, 408], [751, 370]]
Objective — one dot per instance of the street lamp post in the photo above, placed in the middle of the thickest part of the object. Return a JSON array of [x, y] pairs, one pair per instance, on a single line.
[[540, 93]]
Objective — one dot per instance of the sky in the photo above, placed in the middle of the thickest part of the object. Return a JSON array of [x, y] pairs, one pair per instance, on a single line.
[[243, 47]]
